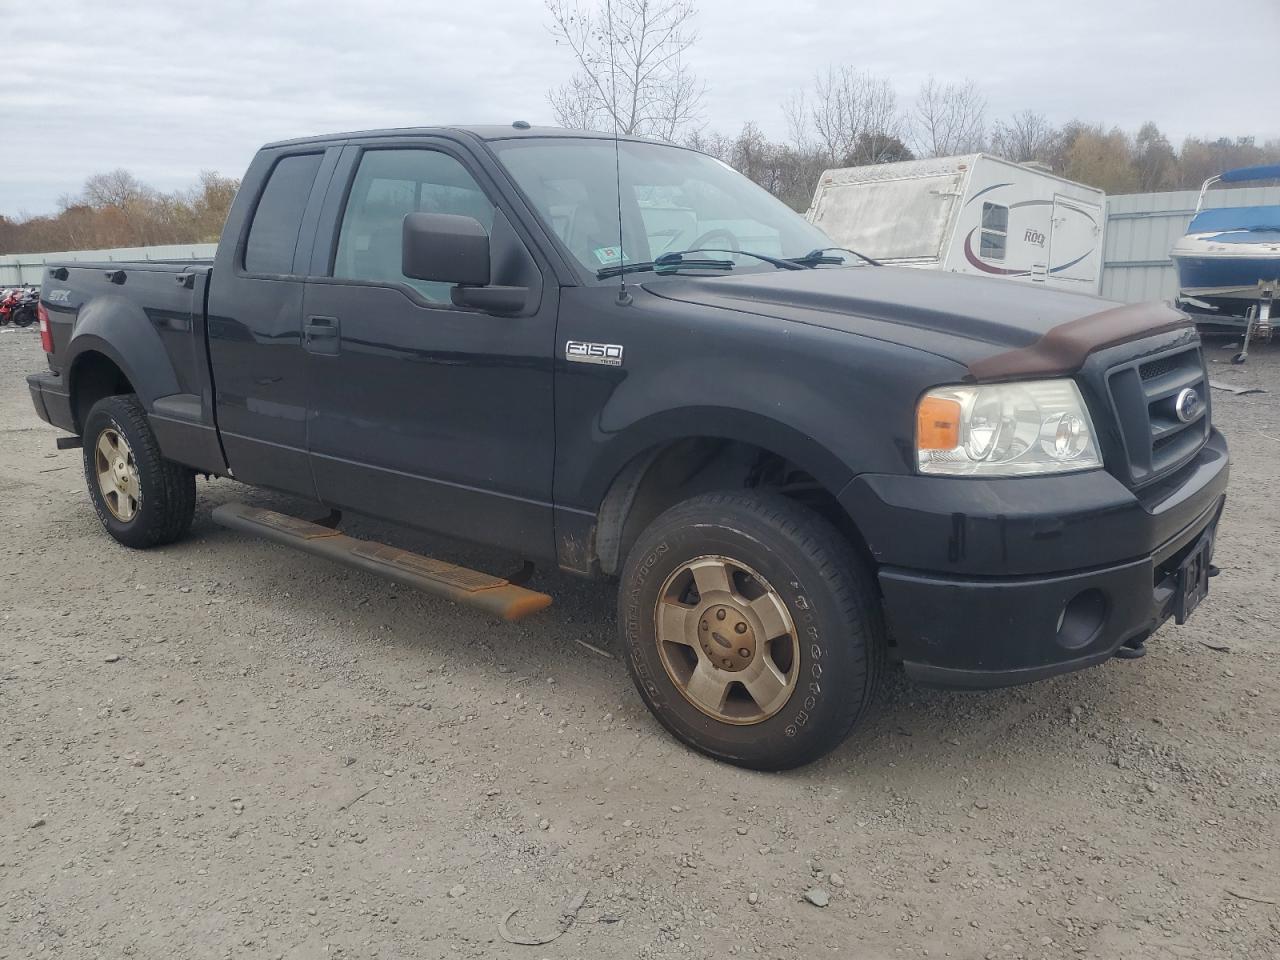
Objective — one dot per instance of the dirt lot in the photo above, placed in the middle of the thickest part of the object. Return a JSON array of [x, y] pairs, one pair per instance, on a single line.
[[225, 749]]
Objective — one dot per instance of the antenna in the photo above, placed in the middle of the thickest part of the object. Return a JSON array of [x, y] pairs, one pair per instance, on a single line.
[[624, 297]]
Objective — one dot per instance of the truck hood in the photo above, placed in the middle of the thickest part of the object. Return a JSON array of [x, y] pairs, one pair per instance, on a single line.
[[996, 328]]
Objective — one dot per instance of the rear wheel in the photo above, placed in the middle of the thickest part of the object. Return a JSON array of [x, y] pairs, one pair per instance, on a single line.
[[752, 629], [141, 498]]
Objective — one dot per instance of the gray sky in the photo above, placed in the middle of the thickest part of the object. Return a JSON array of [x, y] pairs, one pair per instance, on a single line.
[[167, 89]]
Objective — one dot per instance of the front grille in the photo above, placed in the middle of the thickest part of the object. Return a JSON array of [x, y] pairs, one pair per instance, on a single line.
[[1145, 395], [1153, 369]]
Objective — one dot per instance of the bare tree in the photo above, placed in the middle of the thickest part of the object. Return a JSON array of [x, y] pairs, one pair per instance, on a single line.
[[1102, 158], [712, 143], [631, 71], [1026, 136], [119, 188], [1153, 159], [948, 118], [577, 104], [130, 201], [849, 118], [208, 202]]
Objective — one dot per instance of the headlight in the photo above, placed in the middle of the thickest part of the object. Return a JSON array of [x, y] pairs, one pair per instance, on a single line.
[[1005, 429]]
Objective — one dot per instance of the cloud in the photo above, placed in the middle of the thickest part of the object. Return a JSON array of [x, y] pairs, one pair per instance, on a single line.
[[166, 91]]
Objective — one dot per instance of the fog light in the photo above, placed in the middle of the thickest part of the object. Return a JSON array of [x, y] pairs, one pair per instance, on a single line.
[[1081, 619]]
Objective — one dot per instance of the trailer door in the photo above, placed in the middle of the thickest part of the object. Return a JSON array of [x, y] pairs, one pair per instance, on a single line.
[[1075, 248]]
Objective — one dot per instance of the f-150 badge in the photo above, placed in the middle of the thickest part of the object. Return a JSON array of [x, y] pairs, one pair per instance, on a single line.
[[579, 351]]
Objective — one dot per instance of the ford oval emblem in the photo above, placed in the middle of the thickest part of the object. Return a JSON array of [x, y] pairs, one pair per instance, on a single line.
[[1187, 406]]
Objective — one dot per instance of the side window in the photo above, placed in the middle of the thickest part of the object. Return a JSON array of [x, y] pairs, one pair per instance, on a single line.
[[388, 185], [273, 235], [995, 231]]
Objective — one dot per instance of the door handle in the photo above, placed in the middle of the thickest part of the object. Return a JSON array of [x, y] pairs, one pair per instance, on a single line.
[[320, 334]]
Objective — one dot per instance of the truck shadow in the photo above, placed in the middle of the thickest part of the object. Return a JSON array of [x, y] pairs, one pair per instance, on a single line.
[[909, 726]]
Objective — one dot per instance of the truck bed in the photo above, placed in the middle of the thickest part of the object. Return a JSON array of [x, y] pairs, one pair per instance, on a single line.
[[158, 308]]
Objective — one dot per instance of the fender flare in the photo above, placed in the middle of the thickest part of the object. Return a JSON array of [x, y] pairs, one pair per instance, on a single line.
[[121, 332], [716, 423], [616, 477]]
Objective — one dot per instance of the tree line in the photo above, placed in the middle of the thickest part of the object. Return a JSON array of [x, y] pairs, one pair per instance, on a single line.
[[116, 209]]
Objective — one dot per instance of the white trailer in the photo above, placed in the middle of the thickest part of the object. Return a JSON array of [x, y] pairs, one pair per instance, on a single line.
[[970, 214]]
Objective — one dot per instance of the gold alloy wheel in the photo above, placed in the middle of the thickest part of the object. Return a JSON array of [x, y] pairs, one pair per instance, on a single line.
[[726, 640], [117, 475]]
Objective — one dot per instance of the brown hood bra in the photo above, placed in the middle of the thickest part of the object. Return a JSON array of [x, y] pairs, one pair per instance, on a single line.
[[1064, 348]]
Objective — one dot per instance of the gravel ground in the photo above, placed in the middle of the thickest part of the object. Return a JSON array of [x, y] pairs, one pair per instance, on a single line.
[[226, 749]]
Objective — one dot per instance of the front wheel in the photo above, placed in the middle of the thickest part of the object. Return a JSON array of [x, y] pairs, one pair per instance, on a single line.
[[141, 498], [752, 629]]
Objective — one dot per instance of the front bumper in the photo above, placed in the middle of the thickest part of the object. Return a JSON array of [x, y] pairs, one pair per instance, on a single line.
[[51, 399], [976, 574]]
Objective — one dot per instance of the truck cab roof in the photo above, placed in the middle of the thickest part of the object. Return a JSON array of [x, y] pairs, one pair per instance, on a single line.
[[490, 131]]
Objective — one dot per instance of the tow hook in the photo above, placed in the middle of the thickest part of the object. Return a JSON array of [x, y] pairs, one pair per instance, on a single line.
[[1134, 649]]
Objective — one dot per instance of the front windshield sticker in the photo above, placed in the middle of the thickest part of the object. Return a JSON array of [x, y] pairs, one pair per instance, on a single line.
[[607, 256]]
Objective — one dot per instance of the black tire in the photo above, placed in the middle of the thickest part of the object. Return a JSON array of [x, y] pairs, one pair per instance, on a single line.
[[24, 317], [167, 490], [828, 590]]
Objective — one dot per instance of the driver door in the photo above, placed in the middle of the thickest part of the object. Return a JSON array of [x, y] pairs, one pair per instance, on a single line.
[[418, 411]]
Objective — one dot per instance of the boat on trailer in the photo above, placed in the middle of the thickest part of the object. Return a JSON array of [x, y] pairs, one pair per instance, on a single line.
[[1229, 261]]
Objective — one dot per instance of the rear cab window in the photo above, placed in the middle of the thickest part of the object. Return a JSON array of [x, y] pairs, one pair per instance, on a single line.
[[273, 233]]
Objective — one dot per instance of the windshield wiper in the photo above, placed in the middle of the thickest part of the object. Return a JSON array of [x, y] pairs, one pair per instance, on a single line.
[[815, 257], [778, 262], [677, 260], [667, 263]]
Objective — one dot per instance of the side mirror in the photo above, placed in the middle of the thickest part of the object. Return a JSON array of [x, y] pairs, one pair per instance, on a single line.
[[445, 248]]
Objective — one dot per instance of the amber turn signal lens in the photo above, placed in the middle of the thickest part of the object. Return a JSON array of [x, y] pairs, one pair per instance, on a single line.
[[938, 424]]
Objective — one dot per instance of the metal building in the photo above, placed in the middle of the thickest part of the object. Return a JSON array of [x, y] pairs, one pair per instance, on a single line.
[[1140, 229]]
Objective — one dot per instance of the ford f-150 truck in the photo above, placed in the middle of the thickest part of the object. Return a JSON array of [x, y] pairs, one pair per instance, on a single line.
[[622, 358]]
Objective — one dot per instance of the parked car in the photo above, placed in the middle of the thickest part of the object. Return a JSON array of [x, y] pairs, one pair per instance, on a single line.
[[795, 464]]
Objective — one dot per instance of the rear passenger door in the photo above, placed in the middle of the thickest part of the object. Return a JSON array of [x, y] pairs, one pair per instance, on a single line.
[[255, 317], [418, 411]]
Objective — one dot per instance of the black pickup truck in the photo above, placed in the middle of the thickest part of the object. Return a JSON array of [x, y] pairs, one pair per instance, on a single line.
[[627, 360]]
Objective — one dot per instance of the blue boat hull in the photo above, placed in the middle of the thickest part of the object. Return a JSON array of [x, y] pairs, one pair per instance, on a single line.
[[1218, 273]]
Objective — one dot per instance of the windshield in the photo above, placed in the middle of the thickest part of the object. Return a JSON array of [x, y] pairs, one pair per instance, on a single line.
[[672, 199]]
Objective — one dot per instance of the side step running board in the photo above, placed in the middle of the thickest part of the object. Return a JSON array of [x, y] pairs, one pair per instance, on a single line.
[[490, 594]]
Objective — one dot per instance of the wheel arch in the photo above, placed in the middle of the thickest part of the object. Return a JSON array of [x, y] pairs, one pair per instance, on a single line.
[[661, 462], [95, 374], [115, 332]]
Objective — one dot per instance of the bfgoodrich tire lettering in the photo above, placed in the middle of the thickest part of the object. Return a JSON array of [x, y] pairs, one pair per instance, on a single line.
[[162, 496], [828, 593]]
